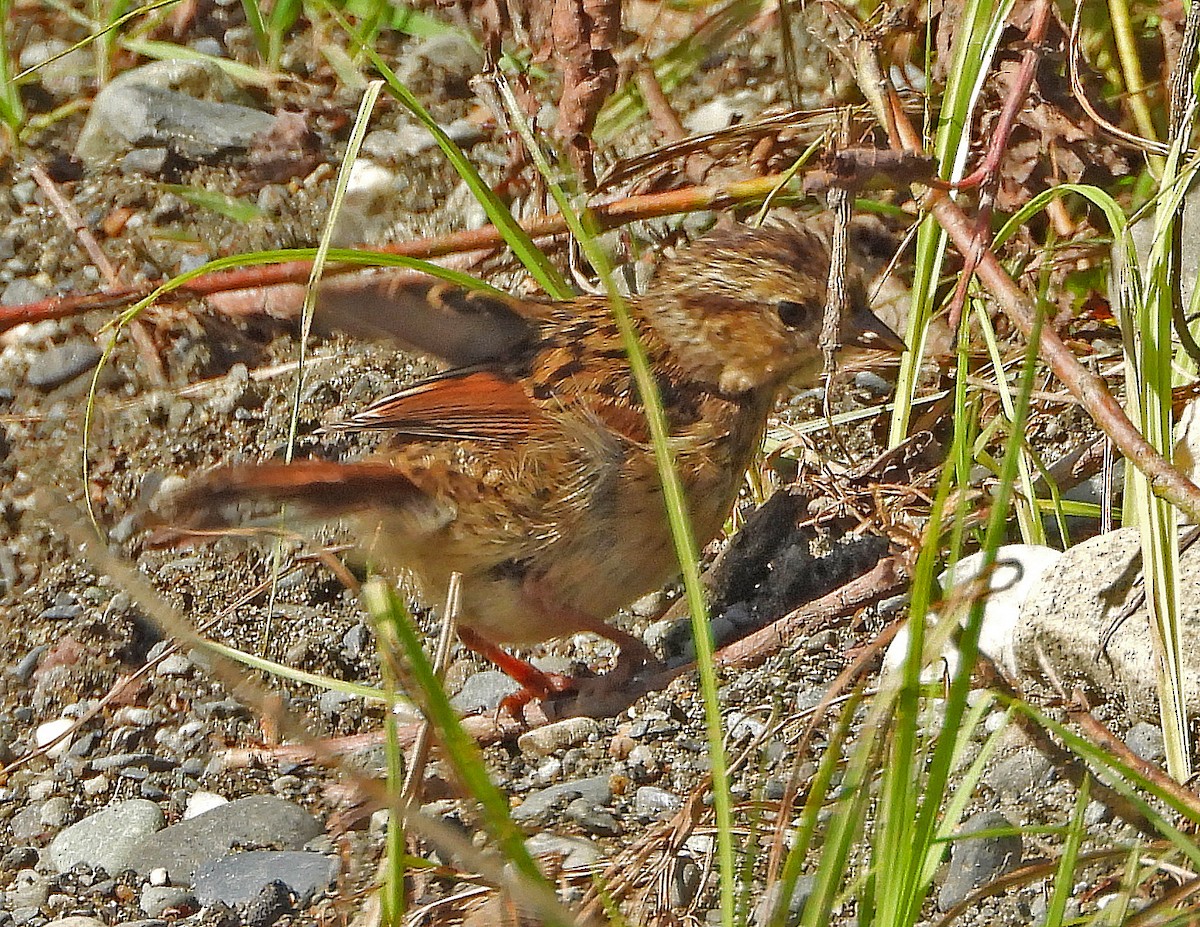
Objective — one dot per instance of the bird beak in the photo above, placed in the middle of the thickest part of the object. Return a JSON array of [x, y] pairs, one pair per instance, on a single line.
[[863, 329]]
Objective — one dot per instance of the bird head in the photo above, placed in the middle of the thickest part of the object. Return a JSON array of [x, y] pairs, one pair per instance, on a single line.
[[743, 308]]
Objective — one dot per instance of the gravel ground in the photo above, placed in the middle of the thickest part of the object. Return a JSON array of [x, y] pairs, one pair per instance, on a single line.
[[131, 818]]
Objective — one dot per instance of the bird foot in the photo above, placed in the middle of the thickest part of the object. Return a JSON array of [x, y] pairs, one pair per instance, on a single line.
[[543, 686]]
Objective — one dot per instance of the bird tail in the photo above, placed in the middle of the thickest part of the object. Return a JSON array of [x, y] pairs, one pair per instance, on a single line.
[[322, 490]]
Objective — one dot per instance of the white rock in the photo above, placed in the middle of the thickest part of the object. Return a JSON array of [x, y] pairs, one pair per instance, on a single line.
[[47, 732], [199, 802], [1018, 569]]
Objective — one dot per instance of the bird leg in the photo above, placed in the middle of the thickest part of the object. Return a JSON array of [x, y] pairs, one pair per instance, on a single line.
[[535, 684], [634, 654], [538, 684]]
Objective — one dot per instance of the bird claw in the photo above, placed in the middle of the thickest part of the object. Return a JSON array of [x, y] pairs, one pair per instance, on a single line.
[[547, 686]]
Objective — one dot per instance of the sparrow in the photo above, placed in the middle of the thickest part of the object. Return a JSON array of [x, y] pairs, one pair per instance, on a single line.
[[526, 465]]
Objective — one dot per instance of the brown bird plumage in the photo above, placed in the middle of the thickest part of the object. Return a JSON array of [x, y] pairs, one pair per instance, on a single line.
[[527, 467]]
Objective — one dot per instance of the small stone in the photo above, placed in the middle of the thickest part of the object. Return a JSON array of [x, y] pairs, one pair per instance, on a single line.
[[872, 383], [1023, 772], [18, 858], [29, 889], [765, 910], [109, 839], [575, 852], [686, 879], [53, 367], [655, 802], [552, 738], [1146, 740], [177, 664], [483, 692], [157, 900], [975, 861], [56, 812], [48, 733], [150, 161], [593, 819], [61, 611], [597, 790]]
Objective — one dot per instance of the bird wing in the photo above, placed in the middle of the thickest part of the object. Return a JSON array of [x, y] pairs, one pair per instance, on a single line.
[[464, 328], [465, 404]]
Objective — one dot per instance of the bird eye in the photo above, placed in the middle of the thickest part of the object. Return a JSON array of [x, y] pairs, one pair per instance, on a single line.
[[793, 314]]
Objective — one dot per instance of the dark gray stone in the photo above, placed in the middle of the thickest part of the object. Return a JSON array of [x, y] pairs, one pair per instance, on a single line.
[[764, 911], [593, 819], [540, 803], [976, 861], [53, 367], [260, 820], [240, 877]]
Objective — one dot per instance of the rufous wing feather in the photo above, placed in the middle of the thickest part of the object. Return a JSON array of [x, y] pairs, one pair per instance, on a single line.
[[478, 405]]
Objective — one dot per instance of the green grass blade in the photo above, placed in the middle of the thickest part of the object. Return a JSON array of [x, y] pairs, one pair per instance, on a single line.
[[1064, 877], [976, 40], [675, 499], [459, 748]]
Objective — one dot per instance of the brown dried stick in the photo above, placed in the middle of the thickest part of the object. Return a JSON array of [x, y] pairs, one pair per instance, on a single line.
[[607, 215]]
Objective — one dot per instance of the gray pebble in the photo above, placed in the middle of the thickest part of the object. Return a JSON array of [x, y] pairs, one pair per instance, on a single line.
[[122, 761], [333, 703], [28, 663], [1146, 740], [872, 383], [26, 825], [268, 906], [156, 900], [575, 852], [240, 877], [654, 802], [1096, 813], [168, 103], [29, 889], [22, 290], [151, 161], [56, 812], [593, 819], [483, 692], [975, 862], [53, 367], [540, 803], [686, 879], [553, 738], [57, 612], [177, 664], [764, 911], [18, 858], [261, 820], [1018, 775], [109, 839]]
